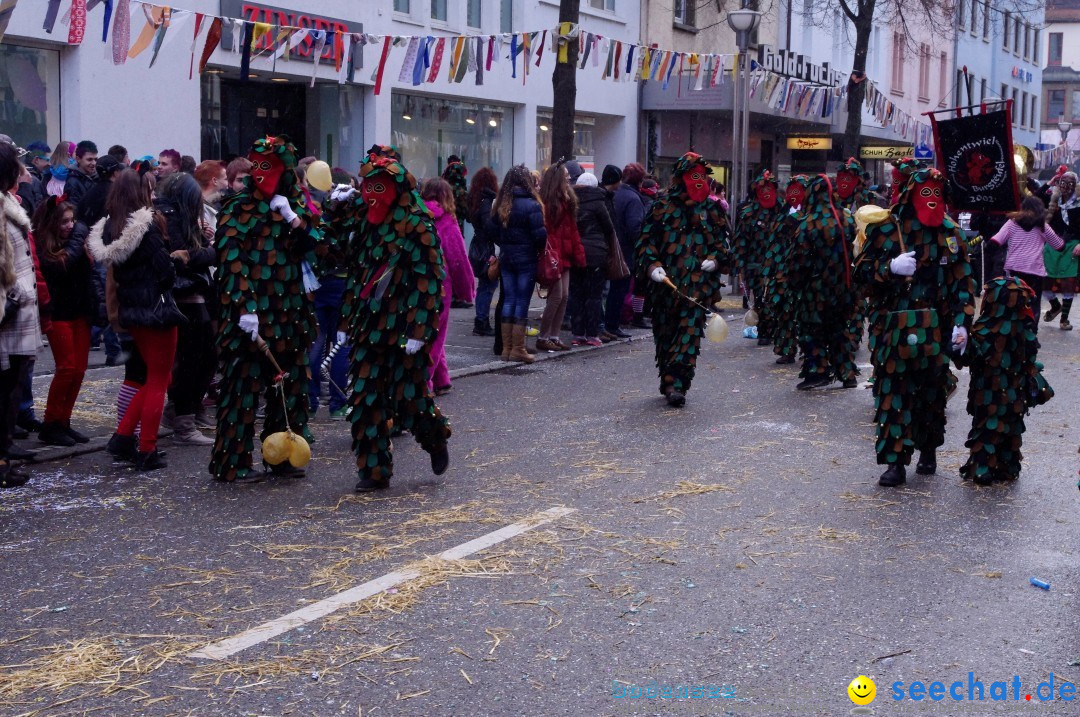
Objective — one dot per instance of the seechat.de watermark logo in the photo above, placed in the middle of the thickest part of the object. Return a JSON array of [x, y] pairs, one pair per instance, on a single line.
[[862, 691]]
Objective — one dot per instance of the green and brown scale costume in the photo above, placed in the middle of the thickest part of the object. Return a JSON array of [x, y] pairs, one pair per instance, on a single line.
[[853, 332], [778, 317], [679, 235], [911, 375], [1006, 380], [259, 272], [819, 275], [455, 174], [394, 293], [753, 239]]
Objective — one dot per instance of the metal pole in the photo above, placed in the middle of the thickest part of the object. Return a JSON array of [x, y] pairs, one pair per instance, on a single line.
[[733, 181], [746, 111]]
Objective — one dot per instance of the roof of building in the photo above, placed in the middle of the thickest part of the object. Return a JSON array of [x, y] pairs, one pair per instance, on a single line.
[[1062, 11]]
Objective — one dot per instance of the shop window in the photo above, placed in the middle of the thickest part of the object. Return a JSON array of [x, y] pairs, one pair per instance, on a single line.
[[29, 94], [401, 6], [438, 10], [602, 4], [684, 12], [1055, 105], [584, 128], [482, 135], [472, 13], [506, 18]]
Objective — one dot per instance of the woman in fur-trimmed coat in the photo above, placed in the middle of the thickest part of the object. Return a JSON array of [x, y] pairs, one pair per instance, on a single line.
[[131, 240]]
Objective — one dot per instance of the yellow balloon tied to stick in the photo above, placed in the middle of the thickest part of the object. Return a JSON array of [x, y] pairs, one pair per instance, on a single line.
[[286, 446], [716, 329], [318, 176]]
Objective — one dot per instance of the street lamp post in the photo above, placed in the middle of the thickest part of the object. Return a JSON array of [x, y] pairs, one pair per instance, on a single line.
[[743, 22], [1064, 126]]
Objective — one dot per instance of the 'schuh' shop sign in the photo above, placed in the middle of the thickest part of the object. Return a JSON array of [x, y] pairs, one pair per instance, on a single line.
[[255, 12], [975, 153]]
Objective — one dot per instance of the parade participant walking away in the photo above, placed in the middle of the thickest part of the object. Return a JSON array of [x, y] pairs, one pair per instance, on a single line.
[[1062, 266], [20, 335], [120, 154], [752, 238], [560, 221], [1006, 380], [482, 193], [180, 201], [628, 217], [84, 174], [131, 240], [455, 174], [1026, 235], [264, 233], [587, 282], [458, 284], [391, 315], [683, 242], [778, 317], [65, 264], [918, 278], [819, 273], [517, 228]]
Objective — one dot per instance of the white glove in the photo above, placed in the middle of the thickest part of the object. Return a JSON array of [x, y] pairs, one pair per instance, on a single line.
[[658, 274], [249, 324], [341, 193], [311, 282], [280, 205], [708, 265], [903, 265], [960, 338], [342, 339], [412, 346]]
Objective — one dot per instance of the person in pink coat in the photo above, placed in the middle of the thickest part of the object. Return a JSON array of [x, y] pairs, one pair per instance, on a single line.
[[439, 198]]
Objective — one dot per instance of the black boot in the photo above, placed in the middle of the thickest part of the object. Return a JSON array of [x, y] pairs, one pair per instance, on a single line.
[[53, 434], [440, 460], [11, 478], [1066, 307], [676, 398], [927, 465], [75, 435], [785, 360], [150, 461], [894, 476], [1055, 309], [481, 328], [285, 470], [639, 322], [122, 448], [817, 380], [367, 484]]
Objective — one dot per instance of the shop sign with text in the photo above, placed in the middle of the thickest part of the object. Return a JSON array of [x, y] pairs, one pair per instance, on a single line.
[[885, 152], [256, 12], [800, 67], [809, 143]]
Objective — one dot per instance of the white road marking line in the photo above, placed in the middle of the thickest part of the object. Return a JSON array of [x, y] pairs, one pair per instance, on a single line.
[[230, 646]]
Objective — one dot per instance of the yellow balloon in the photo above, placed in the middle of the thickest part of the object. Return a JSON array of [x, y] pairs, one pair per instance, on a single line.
[[300, 452], [716, 329], [318, 176], [276, 448], [751, 318]]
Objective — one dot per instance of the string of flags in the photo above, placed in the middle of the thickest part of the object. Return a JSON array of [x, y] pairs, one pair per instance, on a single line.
[[427, 59]]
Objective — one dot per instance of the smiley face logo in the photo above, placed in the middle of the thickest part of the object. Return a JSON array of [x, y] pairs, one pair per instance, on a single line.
[[862, 690]]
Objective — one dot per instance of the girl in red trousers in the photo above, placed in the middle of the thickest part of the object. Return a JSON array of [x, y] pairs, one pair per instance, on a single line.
[[131, 240], [461, 285], [65, 264], [560, 219]]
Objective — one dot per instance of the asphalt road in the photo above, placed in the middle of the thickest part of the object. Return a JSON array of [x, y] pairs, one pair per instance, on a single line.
[[740, 542]]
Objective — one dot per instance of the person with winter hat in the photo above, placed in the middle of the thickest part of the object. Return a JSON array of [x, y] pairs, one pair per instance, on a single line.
[[459, 283], [560, 220], [131, 240], [65, 265], [628, 216], [1061, 265], [587, 283]]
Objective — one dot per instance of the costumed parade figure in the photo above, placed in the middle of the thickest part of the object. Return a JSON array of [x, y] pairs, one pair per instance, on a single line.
[[753, 239], [390, 318], [778, 317], [819, 273], [1006, 380], [683, 250], [852, 188], [265, 232], [916, 272], [455, 174]]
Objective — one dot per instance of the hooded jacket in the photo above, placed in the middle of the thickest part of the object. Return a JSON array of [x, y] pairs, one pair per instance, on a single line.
[[594, 224], [524, 236]]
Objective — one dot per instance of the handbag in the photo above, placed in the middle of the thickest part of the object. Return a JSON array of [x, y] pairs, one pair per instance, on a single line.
[[548, 270], [493, 269], [166, 312], [908, 335], [480, 251], [616, 265]]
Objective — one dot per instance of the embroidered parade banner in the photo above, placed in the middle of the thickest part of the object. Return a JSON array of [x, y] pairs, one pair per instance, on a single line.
[[976, 155]]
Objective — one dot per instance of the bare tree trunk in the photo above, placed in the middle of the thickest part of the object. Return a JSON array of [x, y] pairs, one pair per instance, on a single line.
[[857, 90], [564, 86]]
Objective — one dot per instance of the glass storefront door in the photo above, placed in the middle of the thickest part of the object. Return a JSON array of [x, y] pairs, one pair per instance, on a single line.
[[29, 94]]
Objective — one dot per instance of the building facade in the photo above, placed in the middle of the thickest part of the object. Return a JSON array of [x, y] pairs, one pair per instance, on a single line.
[[1060, 118], [499, 123]]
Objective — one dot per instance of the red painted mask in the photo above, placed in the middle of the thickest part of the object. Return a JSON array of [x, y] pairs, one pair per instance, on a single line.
[[766, 196], [846, 183], [379, 196], [696, 182], [795, 194], [929, 202], [266, 173]]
